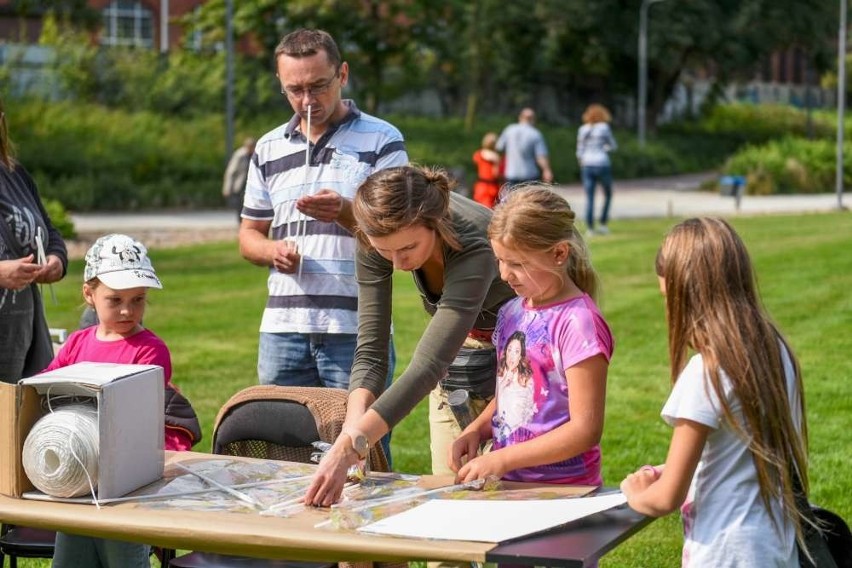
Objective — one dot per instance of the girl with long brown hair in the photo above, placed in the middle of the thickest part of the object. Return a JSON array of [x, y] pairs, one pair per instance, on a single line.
[[737, 408]]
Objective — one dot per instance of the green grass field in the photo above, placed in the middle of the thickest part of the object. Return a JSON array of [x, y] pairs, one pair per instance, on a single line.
[[209, 312]]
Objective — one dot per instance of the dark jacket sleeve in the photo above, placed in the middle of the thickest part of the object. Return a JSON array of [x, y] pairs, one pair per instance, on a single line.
[[180, 414]]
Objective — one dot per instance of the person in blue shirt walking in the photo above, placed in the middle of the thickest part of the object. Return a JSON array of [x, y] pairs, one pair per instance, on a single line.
[[525, 151]]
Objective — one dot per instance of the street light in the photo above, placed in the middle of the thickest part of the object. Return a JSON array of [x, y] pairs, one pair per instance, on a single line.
[[164, 26], [643, 67], [841, 102], [229, 78]]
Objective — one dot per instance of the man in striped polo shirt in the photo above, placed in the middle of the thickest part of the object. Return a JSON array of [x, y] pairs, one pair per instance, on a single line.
[[297, 217]]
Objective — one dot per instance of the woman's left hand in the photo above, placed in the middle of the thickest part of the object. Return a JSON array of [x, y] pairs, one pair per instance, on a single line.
[[51, 271], [330, 477]]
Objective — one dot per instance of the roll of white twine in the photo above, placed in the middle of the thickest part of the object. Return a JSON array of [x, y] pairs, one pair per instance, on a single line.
[[60, 454]]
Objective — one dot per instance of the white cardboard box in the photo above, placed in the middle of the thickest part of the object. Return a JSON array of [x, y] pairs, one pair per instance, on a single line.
[[130, 423]]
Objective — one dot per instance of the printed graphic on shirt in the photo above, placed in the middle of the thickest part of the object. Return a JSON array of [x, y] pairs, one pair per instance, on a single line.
[[532, 394]]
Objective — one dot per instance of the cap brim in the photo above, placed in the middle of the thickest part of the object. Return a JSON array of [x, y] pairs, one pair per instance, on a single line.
[[135, 278]]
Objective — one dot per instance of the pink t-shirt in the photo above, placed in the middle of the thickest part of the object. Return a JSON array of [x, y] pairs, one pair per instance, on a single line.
[[143, 348], [535, 346]]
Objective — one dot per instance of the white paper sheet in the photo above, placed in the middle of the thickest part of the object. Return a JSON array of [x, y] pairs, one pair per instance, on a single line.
[[489, 521]]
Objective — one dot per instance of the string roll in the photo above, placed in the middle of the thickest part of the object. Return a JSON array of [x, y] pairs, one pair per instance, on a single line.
[[60, 454]]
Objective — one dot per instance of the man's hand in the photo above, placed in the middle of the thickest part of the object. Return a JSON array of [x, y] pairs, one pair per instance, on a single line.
[[325, 205], [19, 273], [286, 257]]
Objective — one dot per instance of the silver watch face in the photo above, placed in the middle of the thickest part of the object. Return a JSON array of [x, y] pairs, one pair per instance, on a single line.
[[361, 445]]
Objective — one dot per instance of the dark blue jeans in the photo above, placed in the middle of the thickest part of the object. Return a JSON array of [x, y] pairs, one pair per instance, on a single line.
[[593, 175]]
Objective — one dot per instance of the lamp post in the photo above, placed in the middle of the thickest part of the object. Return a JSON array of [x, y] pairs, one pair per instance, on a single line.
[[841, 101], [229, 78], [164, 26], [643, 68]]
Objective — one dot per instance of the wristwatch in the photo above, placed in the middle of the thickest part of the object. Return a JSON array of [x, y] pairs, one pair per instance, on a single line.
[[360, 444]]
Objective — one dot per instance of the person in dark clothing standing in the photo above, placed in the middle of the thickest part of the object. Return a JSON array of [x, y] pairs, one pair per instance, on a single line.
[[32, 252]]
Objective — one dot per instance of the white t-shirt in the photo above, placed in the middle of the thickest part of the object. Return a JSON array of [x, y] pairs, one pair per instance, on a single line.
[[725, 521]]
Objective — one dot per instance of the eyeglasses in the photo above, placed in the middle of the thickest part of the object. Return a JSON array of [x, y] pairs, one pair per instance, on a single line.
[[296, 93]]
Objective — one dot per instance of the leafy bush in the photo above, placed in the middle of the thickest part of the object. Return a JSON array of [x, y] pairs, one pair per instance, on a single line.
[[746, 123], [60, 218], [90, 157], [790, 165]]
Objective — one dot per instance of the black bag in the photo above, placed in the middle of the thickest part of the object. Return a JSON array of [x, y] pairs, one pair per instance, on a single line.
[[830, 545], [473, 370], [830, 541]]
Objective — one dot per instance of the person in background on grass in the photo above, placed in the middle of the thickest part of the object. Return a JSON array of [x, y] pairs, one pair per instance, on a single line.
[[737, 409], [309, 326], [116, 280], [408, 218], [489, 171], [548, 430], [525, 152], [594, 143], [234, 181], [25, 345]]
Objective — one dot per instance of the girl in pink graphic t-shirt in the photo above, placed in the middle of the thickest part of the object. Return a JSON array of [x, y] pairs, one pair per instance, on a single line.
[[117, 277], [553, 347]]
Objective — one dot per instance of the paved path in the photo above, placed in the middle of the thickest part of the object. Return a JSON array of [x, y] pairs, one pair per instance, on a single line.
[[676, 196], [679, 196]]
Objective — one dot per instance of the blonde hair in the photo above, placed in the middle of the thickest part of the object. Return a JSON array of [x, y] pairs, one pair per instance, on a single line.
[[713, 307], [533, 217], [393, 199], [489, 141], [596, 113]]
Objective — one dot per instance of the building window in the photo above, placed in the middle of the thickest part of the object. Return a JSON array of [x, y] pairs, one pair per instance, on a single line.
[[127, 23]]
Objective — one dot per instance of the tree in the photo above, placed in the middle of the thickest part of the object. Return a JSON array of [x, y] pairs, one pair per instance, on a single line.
[[595, 43], [375, 36]]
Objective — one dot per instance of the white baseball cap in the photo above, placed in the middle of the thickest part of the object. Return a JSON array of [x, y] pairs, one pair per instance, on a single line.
[[120, 262]]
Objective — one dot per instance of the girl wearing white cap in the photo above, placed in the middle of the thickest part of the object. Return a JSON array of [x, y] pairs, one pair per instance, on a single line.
[[117, 277]]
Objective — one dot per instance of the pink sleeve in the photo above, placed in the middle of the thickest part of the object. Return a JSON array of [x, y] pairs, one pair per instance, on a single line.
[[177, 440], [583, 334]]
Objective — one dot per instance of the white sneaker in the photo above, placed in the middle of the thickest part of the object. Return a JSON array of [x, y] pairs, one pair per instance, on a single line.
[[589, 234], [602, 230]]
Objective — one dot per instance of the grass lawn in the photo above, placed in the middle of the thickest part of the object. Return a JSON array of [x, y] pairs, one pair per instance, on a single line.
[[209, 311]]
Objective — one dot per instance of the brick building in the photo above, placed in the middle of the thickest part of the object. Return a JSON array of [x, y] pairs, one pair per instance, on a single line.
[[122, 22]]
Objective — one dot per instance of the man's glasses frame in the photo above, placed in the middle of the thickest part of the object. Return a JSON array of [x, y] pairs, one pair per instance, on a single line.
[[316, 90]]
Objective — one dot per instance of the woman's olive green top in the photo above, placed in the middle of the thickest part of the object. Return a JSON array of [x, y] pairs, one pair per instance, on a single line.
[[471, 297]]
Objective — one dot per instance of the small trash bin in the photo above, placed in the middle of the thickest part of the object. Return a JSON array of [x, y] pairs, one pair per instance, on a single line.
[[732, 186]]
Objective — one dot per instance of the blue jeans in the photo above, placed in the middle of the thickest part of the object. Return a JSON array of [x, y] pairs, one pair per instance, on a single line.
[[592, 175], [73, 551], [313, 360]]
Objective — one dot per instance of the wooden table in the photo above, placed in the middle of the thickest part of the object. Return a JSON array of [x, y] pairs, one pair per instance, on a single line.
[[574, 545]]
